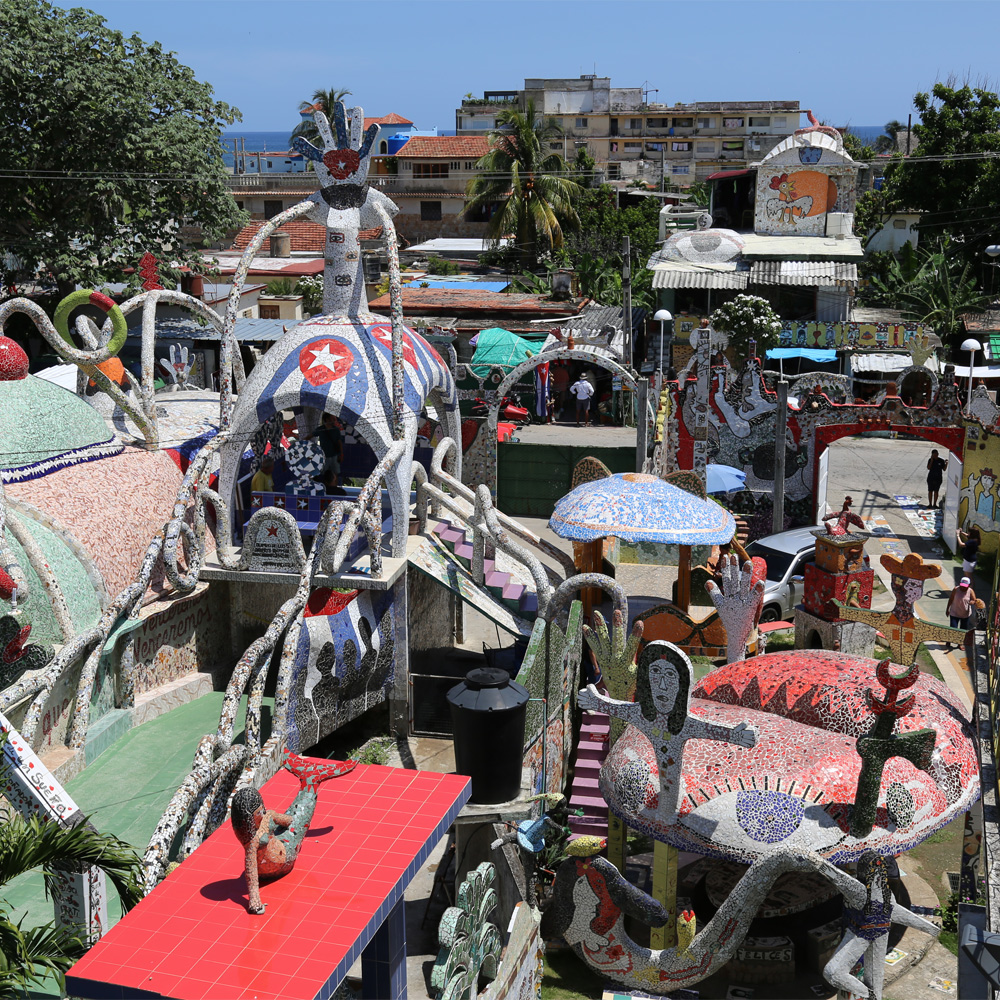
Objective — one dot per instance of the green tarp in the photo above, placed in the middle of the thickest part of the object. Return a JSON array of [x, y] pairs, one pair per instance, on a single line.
[[500, 347]]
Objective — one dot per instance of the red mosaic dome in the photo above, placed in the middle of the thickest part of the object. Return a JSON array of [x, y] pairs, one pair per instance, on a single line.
[[13, 361]]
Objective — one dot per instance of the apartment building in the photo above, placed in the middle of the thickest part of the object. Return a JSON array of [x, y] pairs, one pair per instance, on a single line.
[[631, 138]]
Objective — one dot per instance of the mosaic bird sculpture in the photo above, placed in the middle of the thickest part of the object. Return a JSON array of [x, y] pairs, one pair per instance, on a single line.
[[272, 840]]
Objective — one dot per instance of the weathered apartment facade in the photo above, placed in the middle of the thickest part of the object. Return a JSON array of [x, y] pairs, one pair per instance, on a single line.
[[630, 138]]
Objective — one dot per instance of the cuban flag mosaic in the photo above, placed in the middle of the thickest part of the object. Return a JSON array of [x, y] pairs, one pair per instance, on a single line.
[[343, 662]]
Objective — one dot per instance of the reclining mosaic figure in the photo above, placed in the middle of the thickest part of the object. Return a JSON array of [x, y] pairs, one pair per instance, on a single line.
[[590, 901], [272, 840], [662, 711]]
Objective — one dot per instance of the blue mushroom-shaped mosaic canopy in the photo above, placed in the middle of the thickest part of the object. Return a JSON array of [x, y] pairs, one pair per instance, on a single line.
[[638, 507]]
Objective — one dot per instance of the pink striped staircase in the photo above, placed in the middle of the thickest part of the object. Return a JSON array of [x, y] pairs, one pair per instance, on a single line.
[[584, 795], [502, 586]]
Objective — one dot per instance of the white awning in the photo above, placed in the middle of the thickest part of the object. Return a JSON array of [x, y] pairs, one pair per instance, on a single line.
[[870, 362], [980, 371]]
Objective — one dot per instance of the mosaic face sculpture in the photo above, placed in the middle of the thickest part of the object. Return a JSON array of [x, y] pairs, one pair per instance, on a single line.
[[794, 788], [662, 714], [272, 840]]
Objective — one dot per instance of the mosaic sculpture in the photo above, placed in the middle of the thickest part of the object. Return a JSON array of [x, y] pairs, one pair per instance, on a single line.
[[664, 679], [615, 657], [17, 655], [470, 943], [739, 601], [591, 900], [869, 910], [880, 745], [796, 785], [901, 627], [272, 840]]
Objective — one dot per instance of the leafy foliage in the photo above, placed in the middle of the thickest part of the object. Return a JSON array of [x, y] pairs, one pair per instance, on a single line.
[[327, 101], [932, 285], [530, 186], [583, 167], [745, 318], [281, 286], [32, 954], [111, 146], [959, 196], [438, 265], [311, 290]]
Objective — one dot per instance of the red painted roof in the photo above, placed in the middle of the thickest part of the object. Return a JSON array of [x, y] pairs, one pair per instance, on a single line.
[[429, 146], [390, 119], [191, 938], [306, 236]]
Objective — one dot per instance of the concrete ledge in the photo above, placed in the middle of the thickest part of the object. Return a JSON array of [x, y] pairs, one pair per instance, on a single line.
[[173, 694]]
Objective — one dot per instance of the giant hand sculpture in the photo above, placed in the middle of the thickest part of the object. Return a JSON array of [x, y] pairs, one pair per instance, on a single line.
[[344, 204], [738, 601], [616, 658]]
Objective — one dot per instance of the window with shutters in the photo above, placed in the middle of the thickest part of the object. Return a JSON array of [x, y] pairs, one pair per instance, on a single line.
[[759, 122], [430, 211], [430, 169], [271, 209], [270, 312], [706, 123]]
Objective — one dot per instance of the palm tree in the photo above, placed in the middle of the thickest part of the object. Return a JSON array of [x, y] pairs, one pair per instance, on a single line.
[[33, 954], [886, 143], [528, 184], [326, 99]]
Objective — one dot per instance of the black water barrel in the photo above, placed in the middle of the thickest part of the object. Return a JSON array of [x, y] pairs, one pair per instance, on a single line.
[[488, 710]]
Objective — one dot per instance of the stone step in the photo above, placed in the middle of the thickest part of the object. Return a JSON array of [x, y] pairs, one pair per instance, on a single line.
[[592, 805], [586, 828], [592, 750], [529, 604], [584, 784]]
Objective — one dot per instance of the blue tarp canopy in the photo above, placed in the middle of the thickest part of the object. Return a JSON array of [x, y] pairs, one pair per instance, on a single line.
[[812, 353], [497, 346], [465, 286]]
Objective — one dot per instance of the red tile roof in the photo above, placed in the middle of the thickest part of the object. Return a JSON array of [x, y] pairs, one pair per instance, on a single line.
[[390, 119], [306, 236], [430, 146]]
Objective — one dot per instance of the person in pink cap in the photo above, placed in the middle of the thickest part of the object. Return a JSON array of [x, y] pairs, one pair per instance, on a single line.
[[961, 604]]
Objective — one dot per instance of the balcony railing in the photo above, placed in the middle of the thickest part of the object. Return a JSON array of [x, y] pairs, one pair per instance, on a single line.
[[493, 102], [271, 182]]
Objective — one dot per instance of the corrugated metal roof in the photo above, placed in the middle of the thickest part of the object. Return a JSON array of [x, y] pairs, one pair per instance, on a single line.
[[803, 272], [248, 330], [801, 247], [675, 274]]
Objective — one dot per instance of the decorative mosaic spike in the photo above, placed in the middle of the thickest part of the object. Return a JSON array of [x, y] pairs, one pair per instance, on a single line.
[[149, 271], [881, 745], [470, 944]]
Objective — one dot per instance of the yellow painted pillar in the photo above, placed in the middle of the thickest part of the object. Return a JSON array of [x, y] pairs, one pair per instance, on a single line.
[[665, 891], [617, 838]]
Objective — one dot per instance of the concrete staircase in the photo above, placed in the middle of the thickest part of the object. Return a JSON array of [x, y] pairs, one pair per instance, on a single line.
[[516, 596], [585, 795]]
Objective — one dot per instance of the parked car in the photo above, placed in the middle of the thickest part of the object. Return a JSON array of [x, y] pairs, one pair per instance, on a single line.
[[786, 555]]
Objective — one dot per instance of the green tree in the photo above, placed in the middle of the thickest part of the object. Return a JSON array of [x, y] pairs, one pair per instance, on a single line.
[[529, 184], [745, 318], [886, 142], [931, 285], [110, 146], [33, 954], [327, 100], [583, 167], [951, 177]]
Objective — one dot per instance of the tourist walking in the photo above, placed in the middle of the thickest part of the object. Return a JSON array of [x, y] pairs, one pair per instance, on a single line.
[[962, 604], [935, 476], [582, 390]]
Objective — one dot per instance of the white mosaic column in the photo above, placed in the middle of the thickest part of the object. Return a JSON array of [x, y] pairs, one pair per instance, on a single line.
[[81, 895]]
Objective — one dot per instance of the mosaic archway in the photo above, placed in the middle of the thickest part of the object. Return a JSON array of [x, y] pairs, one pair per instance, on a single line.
[[513, 377]]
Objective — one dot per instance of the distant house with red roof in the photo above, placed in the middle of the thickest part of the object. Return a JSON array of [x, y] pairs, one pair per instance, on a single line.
[[427, 178]]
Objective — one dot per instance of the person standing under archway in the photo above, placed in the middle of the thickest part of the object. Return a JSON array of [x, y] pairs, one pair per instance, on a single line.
[[935, 476]]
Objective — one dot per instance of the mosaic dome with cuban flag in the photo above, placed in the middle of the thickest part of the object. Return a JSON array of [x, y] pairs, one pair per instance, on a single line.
[[343, 366]]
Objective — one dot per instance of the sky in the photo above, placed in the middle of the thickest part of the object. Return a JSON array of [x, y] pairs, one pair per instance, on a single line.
[[853, 62]]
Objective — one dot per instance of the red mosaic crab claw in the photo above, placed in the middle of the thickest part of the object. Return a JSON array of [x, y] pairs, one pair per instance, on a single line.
[[899, 707], [896, 682]]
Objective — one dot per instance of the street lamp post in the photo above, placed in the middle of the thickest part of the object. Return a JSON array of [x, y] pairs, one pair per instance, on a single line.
[[664, 316], [971, 345]]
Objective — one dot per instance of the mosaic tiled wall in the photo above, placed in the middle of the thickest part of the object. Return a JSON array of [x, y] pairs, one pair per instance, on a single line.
[[979, 502], [563, 650], [853, 336]]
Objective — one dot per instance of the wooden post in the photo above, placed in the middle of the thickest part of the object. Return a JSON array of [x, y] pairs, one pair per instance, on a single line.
[[684, 578], [665, 891]]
